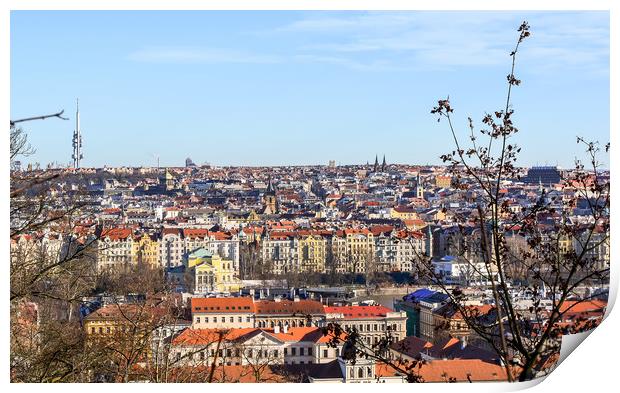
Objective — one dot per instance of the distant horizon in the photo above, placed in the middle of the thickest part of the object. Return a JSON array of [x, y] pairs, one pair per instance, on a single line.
[[212, 166]]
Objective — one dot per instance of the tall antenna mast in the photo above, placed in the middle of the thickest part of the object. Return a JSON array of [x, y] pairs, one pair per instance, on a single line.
[[77, 138]]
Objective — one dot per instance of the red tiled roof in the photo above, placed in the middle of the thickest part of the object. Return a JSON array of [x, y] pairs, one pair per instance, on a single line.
[[298, 334], [462, 370], [222, 305], [572, 306], [359, 312], [287, 307], [195, 233], [116, 233], [193, 337]]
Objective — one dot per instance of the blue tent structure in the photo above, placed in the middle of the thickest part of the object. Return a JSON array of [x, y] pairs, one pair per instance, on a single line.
[[417, 295]]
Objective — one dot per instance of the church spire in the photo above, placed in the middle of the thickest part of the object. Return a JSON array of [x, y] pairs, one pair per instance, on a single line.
[[376, 163], [383, 165], [270, 188]]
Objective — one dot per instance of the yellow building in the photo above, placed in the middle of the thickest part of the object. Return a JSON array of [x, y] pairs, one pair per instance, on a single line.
[[212, 273], [443, 181], [404, 213], [145, 250], [353, 250], [312, 250], [565, 244]]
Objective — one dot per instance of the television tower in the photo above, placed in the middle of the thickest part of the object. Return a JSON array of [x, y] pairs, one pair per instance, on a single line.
[[77, 138]]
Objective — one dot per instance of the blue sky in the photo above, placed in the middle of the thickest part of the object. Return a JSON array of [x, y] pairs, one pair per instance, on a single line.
[[289, 87]]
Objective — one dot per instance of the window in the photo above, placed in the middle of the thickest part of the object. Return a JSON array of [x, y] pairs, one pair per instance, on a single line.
[[232, 319], [294, 351], [92, 330], [247, 319], [215, 319], [241, 319], [301, 351], [309, 351], [197, 319], [285, 351], [325, 353]]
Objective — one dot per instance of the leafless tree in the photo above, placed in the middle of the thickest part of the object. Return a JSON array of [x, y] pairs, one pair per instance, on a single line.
[[524, 338]]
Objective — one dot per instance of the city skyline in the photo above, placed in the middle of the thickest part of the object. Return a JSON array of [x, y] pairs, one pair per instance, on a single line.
[[301, 88]]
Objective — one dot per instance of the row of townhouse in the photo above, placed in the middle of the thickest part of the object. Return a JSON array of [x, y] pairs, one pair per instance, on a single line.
[[380, 248], [176, 243], [169, 247], [37, 248], [343, 251]]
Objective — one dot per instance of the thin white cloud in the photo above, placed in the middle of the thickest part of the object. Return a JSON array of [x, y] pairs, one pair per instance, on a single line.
[[439, 39], [374, 41], [199, 55]]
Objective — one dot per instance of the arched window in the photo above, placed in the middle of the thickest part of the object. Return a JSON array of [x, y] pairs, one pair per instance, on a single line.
[[360, 372]]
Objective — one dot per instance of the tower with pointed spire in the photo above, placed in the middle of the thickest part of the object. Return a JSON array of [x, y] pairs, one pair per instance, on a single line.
[[383, 165], [376, 167], [270, 201], [419, 188], [77, 138]]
